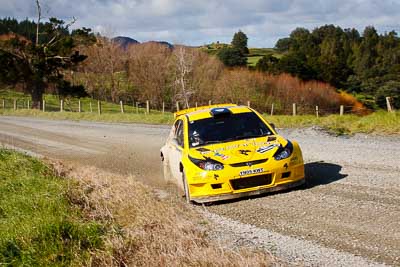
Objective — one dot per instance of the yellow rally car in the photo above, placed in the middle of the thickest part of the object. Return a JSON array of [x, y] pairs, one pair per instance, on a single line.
[[227, 151]]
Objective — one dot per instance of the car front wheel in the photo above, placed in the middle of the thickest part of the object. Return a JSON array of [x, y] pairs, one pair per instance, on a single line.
[[185, 187]]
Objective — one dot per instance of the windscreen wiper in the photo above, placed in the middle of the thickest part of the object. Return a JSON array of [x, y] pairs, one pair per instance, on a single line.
[[238, 137]]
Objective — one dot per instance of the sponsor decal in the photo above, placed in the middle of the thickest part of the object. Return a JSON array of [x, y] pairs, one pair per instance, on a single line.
[[224, 157], [271, 138], [244, 152], [264, 149], [232, 147], [253, 171]]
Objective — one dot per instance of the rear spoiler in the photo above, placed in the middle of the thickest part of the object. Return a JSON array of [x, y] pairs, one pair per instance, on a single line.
[[185, 111]]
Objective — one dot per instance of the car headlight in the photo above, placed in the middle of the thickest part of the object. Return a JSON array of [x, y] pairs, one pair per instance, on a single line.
[[207, 164], [284, 152]]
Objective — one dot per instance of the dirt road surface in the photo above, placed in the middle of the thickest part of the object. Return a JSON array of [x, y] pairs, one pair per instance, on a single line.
[[348, 214]]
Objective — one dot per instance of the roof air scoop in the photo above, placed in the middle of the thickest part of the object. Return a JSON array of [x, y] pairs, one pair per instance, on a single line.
[[220, 112]]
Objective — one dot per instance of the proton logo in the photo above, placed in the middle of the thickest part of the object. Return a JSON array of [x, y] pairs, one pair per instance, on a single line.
[[244, 152], [249, 164]]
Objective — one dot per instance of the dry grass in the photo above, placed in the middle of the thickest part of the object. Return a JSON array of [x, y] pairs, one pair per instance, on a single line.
[[147, 230]]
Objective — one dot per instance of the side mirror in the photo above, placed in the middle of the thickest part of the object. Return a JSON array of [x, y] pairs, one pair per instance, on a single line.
[[273, 126]]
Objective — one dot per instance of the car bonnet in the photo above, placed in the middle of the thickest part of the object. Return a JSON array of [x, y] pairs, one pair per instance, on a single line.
[[240, 151]]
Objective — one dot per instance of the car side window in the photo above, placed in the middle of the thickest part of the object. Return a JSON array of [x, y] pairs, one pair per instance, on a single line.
[[179, 133], [172, 134]]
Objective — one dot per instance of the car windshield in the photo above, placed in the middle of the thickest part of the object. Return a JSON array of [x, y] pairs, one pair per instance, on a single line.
[[226, 128]]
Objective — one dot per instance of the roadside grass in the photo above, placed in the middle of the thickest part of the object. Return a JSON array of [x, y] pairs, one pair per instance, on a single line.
[[94, 218], [156, 229], [156, 118], [70, 104], [380, 122], [38, 224]]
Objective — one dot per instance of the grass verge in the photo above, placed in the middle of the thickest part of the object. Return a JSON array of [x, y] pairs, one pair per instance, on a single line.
[[152, 229], [100, 219], [157, 118], [380, 123], [38, 224]]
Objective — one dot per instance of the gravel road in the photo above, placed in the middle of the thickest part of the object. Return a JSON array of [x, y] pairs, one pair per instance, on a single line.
[[348, 214]]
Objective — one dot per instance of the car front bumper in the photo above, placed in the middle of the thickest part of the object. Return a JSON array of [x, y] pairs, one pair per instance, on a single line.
[[254, 192]]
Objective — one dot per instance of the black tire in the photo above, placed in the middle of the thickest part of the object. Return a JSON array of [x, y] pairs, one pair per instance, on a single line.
[[185, 188]]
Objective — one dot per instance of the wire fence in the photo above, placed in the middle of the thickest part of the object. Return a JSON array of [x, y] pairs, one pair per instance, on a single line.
[[53, 104]]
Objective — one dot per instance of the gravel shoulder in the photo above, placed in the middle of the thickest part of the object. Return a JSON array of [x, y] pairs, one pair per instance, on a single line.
[[348, 214]]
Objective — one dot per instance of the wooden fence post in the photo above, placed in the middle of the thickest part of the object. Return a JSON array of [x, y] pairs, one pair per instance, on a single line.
[[196, 104], [61, 105], [272, 109], [294, 109], [209, 102], [4, 104], [248, 103], [389, 105], [90, 107], [44, 105], [15, 104], [147, 106], [121, 104], [341, 110], [137, 107], [99, 107], [177, 106], [163, 107], [79, 106], [28, 104], [317, 111]]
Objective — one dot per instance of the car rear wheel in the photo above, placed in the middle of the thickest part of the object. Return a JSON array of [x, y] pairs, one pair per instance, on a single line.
[[185, 187]]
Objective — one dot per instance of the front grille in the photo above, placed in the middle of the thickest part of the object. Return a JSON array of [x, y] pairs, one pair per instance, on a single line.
[[248, 163], [216, 186], [259, 180]]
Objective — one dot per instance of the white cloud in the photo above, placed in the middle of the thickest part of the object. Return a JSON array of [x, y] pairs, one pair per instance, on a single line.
[[197, 22]]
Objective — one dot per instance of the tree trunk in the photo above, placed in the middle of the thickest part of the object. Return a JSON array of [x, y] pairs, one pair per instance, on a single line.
[[37, 90]]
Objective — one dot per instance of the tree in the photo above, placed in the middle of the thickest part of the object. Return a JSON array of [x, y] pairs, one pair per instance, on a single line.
[[149, 73], [40, 63], [367, 53], [267, 63], [283, 45], [103, 72], [239, 42], [390, 89], [184, 60], [232, 57], [295, 63]]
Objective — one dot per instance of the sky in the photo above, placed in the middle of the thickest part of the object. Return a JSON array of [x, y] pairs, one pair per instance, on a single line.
[[199, 22]]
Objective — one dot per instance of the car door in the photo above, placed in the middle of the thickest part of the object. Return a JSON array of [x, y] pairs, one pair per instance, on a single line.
[[176, 150]]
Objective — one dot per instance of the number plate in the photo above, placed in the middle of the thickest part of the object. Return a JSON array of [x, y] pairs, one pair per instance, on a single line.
[[253, 171]]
